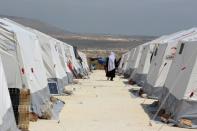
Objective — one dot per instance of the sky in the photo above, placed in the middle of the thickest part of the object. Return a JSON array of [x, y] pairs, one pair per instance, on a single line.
[[126, 17]]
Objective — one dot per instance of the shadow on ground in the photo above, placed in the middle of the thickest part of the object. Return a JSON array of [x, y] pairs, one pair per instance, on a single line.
[[122, 77], [151, 110], [133, 93], [101, 80], [126, 82]]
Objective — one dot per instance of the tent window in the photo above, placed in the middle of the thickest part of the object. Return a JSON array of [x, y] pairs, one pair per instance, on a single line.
[[156, 52], [181, 48]]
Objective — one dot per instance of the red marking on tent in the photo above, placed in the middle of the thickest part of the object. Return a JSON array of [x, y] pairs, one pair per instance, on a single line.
[[173, 50]]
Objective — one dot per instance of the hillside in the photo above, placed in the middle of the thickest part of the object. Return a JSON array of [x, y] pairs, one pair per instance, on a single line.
[[84, 41], [39, 25]]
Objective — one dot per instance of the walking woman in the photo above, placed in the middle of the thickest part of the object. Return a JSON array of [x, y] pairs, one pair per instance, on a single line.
[[111, 66]]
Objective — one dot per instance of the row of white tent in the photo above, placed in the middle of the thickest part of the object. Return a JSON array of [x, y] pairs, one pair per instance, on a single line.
[[31, 59], [166, 70]]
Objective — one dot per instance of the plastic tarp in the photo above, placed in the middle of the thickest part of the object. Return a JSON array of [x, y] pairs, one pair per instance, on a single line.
[[161, 62], [179, 96], [31, 66]]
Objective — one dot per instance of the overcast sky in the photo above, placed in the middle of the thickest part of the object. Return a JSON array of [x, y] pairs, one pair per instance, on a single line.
[[132, 17]]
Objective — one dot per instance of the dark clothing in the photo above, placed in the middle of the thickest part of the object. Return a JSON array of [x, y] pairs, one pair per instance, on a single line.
[[109, 74]]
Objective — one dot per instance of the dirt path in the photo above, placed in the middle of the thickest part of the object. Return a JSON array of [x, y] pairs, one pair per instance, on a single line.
[[101, 105]]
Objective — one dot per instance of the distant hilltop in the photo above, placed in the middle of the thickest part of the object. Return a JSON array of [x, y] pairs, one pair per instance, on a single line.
[[39, 25], [84, 41]]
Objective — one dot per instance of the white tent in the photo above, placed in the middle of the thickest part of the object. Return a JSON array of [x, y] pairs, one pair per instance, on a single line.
[[55, 66], [70, 60], [8, 52], [179, 97], [134, 62], [136, 58], [7, 120], [161, 62], [74, 60], [79, 62], [29, 58], [122, 62], [127, 68], [65, 55], [58, 45], [141, 72], [140, 75], [84, 62]]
